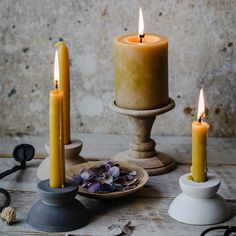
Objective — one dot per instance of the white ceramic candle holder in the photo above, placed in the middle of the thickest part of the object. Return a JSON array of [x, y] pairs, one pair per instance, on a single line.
[[199, 204], [72, 158], [142, 150]]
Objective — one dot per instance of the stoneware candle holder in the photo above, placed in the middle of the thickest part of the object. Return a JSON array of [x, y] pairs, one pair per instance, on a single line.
[[57, 210], [199, 203], [142, 150], [72, 158]]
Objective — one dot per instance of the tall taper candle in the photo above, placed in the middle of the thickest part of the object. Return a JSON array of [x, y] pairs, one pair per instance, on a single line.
[[57, 161], [199, 144], [64, 85]]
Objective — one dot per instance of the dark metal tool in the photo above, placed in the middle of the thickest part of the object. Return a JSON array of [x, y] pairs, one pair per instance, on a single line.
[[22, 153]]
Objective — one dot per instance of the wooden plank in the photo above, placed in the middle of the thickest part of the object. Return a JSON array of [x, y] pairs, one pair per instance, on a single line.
[[148, 215], [105, 146], [22, 180], [157, 186], [147, 209]]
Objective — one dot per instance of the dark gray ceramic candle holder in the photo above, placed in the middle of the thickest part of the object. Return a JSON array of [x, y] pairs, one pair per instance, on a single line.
[[57, 210]]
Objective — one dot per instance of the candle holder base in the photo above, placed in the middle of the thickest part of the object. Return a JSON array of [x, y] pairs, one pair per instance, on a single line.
[[58, 210], [142, 150], [199, 204], [160, 163], [72, 158]]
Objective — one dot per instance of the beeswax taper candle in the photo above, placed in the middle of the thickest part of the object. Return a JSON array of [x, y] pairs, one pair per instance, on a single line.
[[141, 70], [57, 161], [64, 85], [199, 144]]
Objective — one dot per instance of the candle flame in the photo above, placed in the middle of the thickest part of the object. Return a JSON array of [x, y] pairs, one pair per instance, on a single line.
[[56, 69], [141, 23], [201, 106]]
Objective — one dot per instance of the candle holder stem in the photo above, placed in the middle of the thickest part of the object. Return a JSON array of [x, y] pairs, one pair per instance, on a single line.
[[141, 145], [142, 150]]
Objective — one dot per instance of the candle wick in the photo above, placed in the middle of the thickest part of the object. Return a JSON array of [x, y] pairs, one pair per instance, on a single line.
[[141, 36], [200, 117], [56, 83]]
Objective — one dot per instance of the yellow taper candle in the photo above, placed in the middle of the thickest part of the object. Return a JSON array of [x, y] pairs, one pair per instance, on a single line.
[[64, 85], [141, 70], [57, 161], [199, 144]]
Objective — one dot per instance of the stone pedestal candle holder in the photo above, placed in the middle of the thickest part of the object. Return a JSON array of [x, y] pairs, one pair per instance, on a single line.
[[142, 150], [57, 210], [72, 158], [199, 204]]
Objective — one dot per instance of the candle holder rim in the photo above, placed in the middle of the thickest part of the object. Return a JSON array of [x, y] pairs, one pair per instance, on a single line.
[[75, 143], [212, 180], [44, 187], [142, 113]]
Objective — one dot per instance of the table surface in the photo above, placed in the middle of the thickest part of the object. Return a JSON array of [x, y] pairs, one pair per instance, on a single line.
[[147, 209]]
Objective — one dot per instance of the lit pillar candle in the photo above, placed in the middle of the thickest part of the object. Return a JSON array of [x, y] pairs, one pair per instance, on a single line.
[[199, 144], [57, 161], [64, 85], [141, 70]]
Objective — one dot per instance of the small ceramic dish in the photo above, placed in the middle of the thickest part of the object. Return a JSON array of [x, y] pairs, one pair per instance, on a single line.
[[142, 176]]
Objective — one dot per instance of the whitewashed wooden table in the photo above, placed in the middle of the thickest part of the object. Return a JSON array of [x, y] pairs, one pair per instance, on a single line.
[[146, 209]]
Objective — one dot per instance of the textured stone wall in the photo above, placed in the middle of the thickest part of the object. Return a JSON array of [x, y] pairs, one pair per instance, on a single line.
[[202, 40]]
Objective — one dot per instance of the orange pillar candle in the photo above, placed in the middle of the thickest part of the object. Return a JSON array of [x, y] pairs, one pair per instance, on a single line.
[[199, 144], [64, 85], [141, 70], [57, 161]]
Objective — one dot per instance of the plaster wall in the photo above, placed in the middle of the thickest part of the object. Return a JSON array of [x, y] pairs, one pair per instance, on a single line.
[[202, 40]]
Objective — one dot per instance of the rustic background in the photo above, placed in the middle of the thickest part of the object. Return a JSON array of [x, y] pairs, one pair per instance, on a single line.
[[202, 40]]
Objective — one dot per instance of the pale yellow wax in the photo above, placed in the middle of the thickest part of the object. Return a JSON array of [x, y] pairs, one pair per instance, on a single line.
[[141, 71], [57, 161], [64, 85], [199, 151]]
